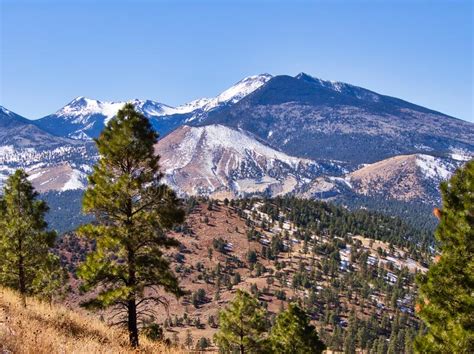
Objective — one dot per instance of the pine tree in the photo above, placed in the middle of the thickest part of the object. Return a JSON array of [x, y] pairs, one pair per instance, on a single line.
[[51, 279], [293, 333], [188, 340], [446, 303], [133, 211], [241, 325], [24, 241]]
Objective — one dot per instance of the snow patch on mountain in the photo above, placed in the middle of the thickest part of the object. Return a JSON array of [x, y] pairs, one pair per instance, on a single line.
[[76, 181], [81, 109], [459, 154], [433, 167], [341, 87]]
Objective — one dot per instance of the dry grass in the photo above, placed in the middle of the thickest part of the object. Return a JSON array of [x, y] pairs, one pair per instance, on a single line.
[[42, 329]]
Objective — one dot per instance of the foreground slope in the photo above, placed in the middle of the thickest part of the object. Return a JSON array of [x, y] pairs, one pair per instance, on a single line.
[[41, 328]]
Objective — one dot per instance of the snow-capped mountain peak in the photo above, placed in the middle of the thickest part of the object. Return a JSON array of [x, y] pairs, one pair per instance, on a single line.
[[230, 96], [216, 159], [82, 107], [243, 88]]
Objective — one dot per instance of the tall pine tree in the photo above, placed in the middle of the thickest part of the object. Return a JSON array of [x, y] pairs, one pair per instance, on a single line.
[[133, 211], [446, 301], [24, 241]]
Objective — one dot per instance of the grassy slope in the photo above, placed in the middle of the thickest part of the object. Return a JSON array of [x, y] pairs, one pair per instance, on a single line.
[[41, 328]]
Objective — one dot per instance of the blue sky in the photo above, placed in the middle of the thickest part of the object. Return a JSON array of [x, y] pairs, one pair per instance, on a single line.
[[176, 51]]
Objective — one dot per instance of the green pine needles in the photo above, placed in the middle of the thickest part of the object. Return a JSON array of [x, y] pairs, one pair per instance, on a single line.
[[292, 333], [133, 211], [244, 327], [24, 242], [446, 300]]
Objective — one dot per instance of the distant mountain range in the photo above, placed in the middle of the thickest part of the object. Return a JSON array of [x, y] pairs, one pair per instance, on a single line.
[[268, 135]]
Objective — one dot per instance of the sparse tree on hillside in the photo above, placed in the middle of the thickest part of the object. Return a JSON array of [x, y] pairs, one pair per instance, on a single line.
[[24, 241], [133, 210], [188, 340], [293, 333], [446, 302], [241, 325]]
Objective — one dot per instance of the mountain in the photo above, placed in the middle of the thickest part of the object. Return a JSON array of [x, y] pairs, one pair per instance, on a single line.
[[404, 177], [54, 163], [84, 118], [318, 119], [222, 162], [283, 249], [18, 131], [199, 108], [266, 135]]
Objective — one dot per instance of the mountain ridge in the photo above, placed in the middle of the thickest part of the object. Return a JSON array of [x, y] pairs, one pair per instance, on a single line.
[[265, 135]]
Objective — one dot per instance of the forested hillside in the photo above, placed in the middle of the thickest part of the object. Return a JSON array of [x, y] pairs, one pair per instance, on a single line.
[[358, 291]]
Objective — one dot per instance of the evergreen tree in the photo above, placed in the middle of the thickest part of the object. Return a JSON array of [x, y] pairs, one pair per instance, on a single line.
[[24, 241], [293, 333], [188, 340], [133, 210], [51, 279], [446, 301], [241, 325]]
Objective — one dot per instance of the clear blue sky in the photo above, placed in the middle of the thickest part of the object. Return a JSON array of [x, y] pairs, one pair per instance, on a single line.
[[176, 51]]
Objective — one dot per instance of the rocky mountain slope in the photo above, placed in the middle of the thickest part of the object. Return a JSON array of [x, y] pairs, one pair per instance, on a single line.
[[407, 178], [222, 162], [404, 177]]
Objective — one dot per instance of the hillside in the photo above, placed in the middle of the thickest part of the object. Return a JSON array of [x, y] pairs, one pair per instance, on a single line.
[[404, 177], [49, 329], [255, 245]]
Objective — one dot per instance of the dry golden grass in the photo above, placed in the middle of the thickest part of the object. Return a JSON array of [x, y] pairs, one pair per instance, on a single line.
[[40, 329]]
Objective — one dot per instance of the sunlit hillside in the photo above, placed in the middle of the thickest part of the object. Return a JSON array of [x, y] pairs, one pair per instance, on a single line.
[[41, 328]]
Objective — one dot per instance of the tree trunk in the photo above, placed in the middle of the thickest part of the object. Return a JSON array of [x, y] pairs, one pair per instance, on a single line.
[[132, 322], [21, 276], [131, 302]]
